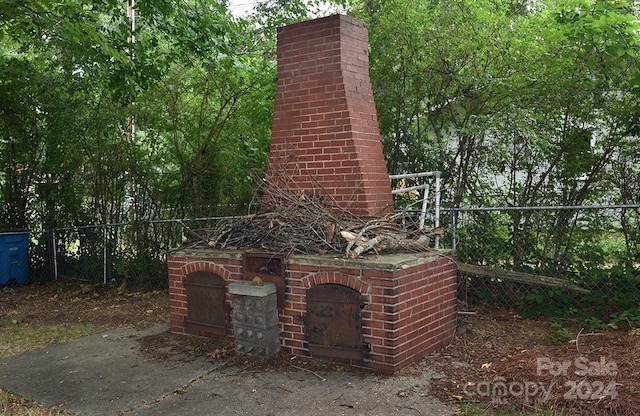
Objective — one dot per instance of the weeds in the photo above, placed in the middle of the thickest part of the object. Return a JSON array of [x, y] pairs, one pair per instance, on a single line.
[[559, 334]]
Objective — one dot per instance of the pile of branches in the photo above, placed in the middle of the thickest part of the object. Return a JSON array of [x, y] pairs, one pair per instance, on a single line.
[[305, 225]]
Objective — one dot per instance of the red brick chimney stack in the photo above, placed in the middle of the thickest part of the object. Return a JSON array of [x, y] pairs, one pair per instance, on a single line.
[[325, 137]]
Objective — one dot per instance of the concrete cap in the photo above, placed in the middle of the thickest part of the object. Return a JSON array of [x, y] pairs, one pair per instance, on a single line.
[[245, 287]]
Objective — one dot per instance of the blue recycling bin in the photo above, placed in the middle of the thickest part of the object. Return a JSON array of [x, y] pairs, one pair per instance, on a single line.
[[14, 261]]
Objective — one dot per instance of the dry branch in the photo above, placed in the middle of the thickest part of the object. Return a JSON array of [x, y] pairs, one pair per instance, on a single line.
[[307, 225], [190, 231]]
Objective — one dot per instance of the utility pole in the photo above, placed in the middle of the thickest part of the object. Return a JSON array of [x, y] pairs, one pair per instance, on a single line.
[[131, 122], [131, 130], [131, 40]]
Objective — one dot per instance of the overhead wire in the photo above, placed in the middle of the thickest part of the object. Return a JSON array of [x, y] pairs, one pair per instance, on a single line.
[[242, 6]]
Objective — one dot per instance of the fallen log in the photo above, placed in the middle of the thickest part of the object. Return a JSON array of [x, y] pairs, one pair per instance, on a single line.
[[492, 272]]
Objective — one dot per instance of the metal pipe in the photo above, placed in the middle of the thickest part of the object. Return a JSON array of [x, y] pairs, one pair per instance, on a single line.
[[423, 211], [415, 175], [454, 225], [104, 257], [55, 254], [437, 213], [545, 208]]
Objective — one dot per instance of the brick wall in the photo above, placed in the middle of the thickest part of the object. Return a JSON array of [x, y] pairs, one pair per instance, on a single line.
[[325, 137]]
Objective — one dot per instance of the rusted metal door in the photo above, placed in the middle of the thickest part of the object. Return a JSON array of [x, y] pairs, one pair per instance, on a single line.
[[267, 266], [334, 322], [206, 310]]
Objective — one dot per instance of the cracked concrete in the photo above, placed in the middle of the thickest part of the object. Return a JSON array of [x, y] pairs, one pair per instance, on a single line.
[[107, 375]]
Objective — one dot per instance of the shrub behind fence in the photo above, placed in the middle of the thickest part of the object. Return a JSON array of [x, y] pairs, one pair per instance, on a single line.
[[134, 254], [594, 248]]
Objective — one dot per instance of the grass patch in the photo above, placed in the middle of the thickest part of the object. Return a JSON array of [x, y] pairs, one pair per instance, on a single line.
[[13, 405], [475, 410], [17, 338], [614, 245]]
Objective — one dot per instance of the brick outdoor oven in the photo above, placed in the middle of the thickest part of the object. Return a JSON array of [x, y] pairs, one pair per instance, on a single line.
[[382, 312]]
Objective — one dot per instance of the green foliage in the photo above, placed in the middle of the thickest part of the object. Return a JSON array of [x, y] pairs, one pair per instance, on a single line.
[[593, 323], [613, 299], [484, 239], [630, 317], [518, 104], [580, 246], [272, 14], [551, 302], [559, 334], [194, 81], [136, 262]]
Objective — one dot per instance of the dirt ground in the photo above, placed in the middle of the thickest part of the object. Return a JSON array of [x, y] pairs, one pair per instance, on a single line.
[[71, 301], [497, 360]]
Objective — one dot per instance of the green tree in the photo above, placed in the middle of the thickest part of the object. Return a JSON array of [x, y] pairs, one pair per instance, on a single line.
[[515, 104], [209, 113], [440, 71], [62, 66]]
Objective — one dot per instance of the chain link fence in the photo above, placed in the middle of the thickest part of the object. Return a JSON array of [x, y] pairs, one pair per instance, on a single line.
[[552, 261], [134, 254], [542, 260]]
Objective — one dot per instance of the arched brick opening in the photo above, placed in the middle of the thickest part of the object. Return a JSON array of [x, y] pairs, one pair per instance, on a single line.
[[340, 278], [204, 266]]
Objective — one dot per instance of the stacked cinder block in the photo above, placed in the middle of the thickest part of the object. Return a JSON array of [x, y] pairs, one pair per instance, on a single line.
[[255, 318]]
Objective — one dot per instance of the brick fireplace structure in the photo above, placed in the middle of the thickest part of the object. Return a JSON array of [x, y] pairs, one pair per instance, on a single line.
[[403, 305], [381, 312]]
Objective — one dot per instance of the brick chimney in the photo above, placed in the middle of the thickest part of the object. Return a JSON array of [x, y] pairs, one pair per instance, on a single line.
[[325, 140]]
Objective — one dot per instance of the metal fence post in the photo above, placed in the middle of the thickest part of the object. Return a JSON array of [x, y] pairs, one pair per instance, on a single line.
[[453, 214]]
